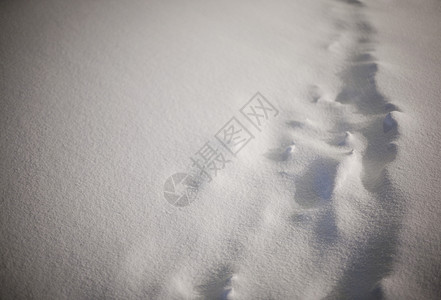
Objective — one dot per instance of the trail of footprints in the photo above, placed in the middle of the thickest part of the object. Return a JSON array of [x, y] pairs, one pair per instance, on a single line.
[[360, 136]]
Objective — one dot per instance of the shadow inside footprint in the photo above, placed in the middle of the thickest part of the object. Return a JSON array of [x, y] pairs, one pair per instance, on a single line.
[[317, 183], [353, 2], [361, 90], [326, 228], [295, 124], [218, 284], [364, 57], [389, 123], [280, 154], [314, 93], [391, 107]]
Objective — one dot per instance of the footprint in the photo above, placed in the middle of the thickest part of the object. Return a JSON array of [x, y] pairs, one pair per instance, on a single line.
[[280, 154], [364, 57], [352, 2], [218, 283], [389, 123], [314, 93], [348, 140], [316, 185], [389, 107], [326, 230], [365, 28], [295, 124]]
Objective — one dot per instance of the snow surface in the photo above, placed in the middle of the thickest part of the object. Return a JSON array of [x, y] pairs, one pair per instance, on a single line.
[[337, 197]]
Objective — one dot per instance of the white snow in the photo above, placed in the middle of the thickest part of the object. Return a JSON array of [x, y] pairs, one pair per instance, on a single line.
[[337, 196]]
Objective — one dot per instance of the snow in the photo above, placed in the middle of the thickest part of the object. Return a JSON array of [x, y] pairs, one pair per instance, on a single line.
[[336, 196]]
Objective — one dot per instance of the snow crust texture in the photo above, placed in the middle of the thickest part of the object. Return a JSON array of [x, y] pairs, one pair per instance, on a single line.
[[103, 101]]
